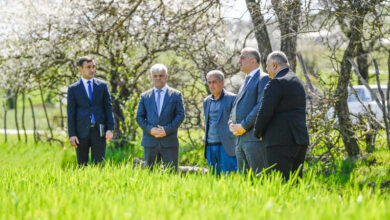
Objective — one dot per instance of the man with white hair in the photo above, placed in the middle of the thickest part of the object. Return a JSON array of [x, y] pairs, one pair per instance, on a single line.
[[281, 120], [219, 142], [160, 113]]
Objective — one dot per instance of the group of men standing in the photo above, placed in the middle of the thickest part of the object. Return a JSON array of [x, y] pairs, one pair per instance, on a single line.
[[263, 126]]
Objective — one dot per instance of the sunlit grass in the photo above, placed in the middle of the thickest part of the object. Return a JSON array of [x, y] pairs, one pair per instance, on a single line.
[[42, 182]]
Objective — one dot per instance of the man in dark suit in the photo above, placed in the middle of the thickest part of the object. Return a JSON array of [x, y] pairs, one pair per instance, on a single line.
[[281, 120], [89, 113], [160, 113], [219, 142], [249, 150]]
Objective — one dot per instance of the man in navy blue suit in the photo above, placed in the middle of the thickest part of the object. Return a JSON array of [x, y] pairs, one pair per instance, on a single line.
[[249, 149], [160, 113], [90, 118]]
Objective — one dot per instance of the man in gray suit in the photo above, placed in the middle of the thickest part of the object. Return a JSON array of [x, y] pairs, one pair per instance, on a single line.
[[249, 150], [219, 142], [160, 113]]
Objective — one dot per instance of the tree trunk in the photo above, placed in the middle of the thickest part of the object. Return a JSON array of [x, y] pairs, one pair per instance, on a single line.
[[45, 110], [5, 122], [288, 14], [261, 33], [34, 123], [10, 100], [23, 110], [16, 113], [341, 107], [362, 61]]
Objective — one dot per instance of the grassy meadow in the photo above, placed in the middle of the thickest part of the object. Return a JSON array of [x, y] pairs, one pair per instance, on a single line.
[[41, 181]]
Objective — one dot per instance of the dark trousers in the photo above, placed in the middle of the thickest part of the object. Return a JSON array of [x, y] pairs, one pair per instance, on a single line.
[[97, 145], [168, 155], [287, 158], [250, 155]]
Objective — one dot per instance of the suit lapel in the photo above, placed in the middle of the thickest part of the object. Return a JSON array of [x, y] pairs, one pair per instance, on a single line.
[[251, 81], [83, 91], [207, 110], [167, 97], [152, 101]]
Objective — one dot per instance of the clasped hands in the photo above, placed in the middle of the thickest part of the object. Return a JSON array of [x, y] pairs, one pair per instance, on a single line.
[[158, 132], [237, 129]]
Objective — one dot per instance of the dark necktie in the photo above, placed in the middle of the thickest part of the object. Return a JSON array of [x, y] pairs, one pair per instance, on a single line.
[[90, 93], [158, 101]]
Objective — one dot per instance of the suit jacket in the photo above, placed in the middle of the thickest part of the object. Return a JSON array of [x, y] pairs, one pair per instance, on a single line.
[[281, 120], [80, 109], [247, 105], [227, 138], [171, 117]]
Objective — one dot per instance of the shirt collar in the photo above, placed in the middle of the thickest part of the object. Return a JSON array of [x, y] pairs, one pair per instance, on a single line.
[[280, 71], [251, 74], [222, 95], [164, 89], [85, 81]]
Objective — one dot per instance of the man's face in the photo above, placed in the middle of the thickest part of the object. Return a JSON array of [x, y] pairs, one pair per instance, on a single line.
[[159, 79], [88, 70], [246, 62], [272, 68], [215, 85]]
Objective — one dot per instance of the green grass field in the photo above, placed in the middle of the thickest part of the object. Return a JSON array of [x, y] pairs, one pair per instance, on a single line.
[[42, 182]]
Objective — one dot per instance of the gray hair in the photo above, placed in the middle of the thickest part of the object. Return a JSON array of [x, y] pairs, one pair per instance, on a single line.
[[158, 68], [217, 73], [253, 53], [279, 58]]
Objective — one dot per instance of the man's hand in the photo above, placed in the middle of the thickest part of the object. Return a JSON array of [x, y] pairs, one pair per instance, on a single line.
[[109, 135], [237, 129], [162, 131], [158, 132], [74, 141], [155, 131]]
